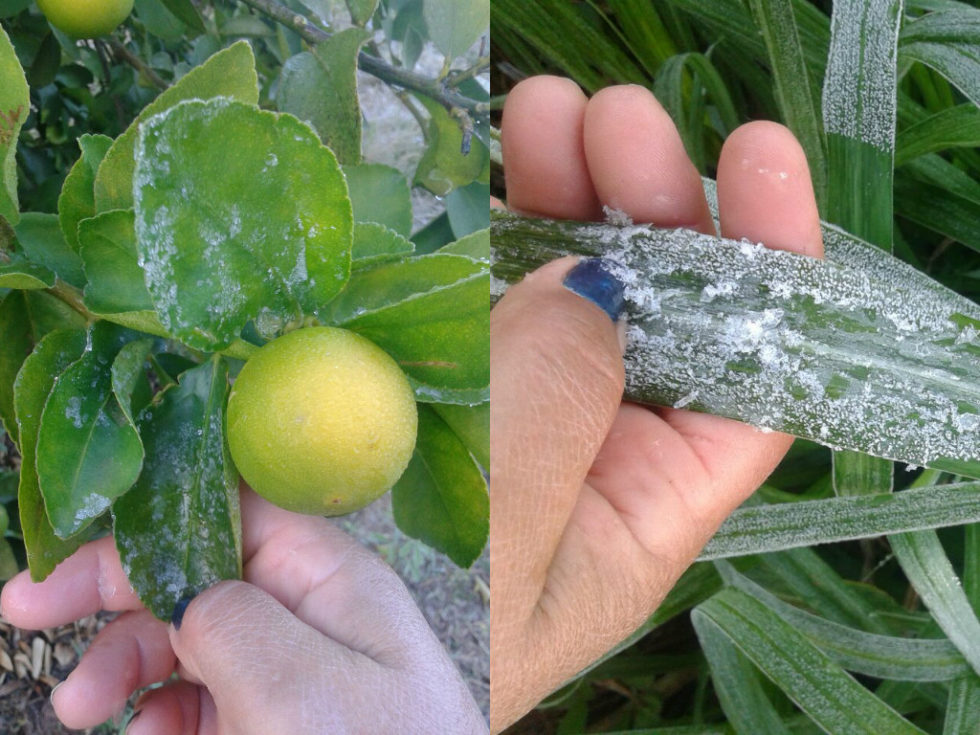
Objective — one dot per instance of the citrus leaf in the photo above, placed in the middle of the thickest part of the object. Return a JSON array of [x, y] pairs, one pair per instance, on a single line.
[[129, 382], [41, 238], [811, 347], [223, 239], [361, 10], [375, 243], [455, 26], [832, 698], [380, 194], [19, 273], [472, 425], [476, 245], [88, 452], [51, 357], [14, 348], [320, 87], [77, 199], [444, 166], [442, 498], [108, 250], [229, 73], [178, 530], [430, 313], [14, 107]]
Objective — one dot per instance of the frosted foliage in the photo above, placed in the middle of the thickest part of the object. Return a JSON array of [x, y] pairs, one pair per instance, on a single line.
[[859, 85], [855, 360]]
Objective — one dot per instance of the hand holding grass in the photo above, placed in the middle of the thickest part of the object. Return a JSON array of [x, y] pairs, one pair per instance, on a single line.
[[598, 506]]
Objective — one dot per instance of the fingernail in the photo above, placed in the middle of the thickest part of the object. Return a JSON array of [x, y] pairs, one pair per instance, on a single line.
[[56, 688], [593, 279], [178, 615]]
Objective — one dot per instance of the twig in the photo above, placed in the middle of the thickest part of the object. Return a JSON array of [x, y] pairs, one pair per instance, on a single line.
[[137, 63], [457, 77], [439, 91]]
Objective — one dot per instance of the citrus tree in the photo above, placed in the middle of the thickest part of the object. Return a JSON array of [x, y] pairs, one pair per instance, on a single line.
[[190, 188]]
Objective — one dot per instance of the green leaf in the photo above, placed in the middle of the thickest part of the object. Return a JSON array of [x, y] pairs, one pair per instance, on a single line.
[[178, 530], [443, 166], [158, 20], [826, 351], [931, 574], [832, 699], [953, 127], [455, 26], [108, 250], [469, 208], [472, 425], [14, 107], [476, 245], [51, 357], [361, 10], [939, 210], [380, 194], [129, 383], [88, 452], [41, 238], [229, 73], [77, 200], [187, 12], [947, 42], [800, 111], [375, 243], [442, 498], [765, 528], [320, 87], [8, 562], [19, 273], [224, 240], [429, 312], [963, 707], [14, 348], [871, 654], [736, 681]]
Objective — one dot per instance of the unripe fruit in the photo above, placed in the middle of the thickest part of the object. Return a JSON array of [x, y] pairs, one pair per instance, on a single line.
[[321, 421], [86, 18]]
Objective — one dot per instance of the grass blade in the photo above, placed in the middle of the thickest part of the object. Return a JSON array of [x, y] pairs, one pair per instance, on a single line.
[[782, 341], [872, 654], [949, 42], [931, 574], [963, 707], [954, 127], [940, 210], [766, 528], [832, 698], [800, 113], [737, 683]]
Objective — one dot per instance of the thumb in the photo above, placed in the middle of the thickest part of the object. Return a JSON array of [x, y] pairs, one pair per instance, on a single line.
[[243, 645], [556, 383]]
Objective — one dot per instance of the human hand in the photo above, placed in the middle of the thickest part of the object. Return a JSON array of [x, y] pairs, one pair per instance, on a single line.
[[321, 636], [598, 506]]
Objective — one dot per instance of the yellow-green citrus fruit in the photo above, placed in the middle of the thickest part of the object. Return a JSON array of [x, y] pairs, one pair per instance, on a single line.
[[86, 18], [321, 421]]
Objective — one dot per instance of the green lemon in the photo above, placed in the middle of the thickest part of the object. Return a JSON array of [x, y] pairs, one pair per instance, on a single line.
[[86, 18], [321, 421]]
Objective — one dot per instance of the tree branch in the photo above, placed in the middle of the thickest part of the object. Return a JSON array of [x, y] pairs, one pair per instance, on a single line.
[[437, 90]]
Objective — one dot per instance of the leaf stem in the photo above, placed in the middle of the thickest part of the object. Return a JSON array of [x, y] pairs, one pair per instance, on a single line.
[[443, 93], [137, 63]]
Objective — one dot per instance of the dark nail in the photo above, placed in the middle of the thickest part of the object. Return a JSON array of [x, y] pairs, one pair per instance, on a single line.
[[593, 279], [178, 616]]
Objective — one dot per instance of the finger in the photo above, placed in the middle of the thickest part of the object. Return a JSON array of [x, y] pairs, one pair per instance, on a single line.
[[556, 382], [131, 652], [541, 141], [329, 581], [89, 580], [179, 708], [638, 163]]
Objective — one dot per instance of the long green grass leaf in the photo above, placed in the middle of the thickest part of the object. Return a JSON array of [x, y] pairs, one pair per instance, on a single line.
[[872, 654], [940, 210], [766, 528], [737, 683], [931, 574], [954, 127], [799, 110], [963, 707], [834, 700], [782, 341], [949, 42]]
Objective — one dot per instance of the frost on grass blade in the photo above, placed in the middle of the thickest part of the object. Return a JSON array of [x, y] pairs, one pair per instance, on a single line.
[[822, 350]]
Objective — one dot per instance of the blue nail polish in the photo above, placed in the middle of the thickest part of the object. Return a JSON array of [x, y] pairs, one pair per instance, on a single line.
[[178, 615], [593, 279]]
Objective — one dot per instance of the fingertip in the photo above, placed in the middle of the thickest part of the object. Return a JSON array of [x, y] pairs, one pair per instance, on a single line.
[[541, 142], [765, 192], [638, 162]]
